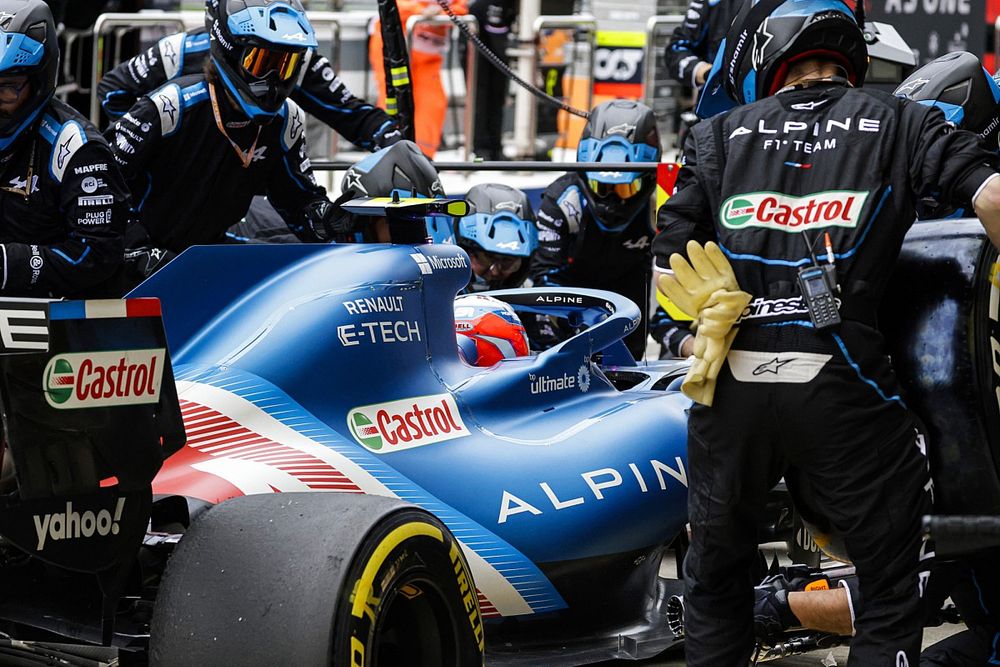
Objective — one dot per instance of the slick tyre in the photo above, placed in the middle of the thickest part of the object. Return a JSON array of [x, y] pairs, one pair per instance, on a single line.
[[316, 579], [409, 599]]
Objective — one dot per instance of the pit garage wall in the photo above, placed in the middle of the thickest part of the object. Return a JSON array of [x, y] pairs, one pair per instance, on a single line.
[[935, 27]]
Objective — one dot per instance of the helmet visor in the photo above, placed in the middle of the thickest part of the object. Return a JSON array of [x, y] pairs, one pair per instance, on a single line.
[[260, 62], [622, 190]]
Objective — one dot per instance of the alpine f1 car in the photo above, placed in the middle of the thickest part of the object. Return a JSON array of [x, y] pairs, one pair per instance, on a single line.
[[439, 510]]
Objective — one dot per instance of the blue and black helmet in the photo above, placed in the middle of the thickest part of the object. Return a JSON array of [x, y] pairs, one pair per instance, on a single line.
[[29, 48], [403, 170], [768, 36], [502, 222], [959, 85], [258, 47], [619, 131]]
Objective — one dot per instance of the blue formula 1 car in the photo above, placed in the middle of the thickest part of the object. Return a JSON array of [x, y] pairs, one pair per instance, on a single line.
[[336, 369], [439, 512]]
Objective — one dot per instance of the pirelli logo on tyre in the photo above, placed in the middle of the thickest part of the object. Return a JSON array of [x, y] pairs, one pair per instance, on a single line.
[[103, 379], [404, 424], [788, 213]]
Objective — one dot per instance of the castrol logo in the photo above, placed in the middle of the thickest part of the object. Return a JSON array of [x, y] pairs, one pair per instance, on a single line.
[[385, 428], [787, 213], [103, 379]]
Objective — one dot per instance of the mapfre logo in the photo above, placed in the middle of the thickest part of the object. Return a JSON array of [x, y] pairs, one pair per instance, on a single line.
[[411, 422], [103, 379], [786, 213]]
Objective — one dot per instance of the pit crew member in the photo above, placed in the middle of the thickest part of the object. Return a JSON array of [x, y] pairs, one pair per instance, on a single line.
[[488, 330], [594, 230], [696, 40], [810, 167], [63, 201], [199, 148], [500, 236], [319, 92]]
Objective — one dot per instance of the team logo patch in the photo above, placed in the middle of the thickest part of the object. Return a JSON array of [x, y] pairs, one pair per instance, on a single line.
[[788, 213], [411, 422]]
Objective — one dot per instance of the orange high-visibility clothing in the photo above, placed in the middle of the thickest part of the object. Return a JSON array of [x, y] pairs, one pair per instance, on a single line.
[[426, 57]]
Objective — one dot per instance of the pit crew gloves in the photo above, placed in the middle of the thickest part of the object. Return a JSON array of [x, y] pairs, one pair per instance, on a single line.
[[692, 283], [707, 290], [326, 220]]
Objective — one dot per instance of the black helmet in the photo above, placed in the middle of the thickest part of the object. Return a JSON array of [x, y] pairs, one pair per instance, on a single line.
[[502, 223], [766, 38], [401, 169], [28, 48], [257, 50], [619, 131], [958, 84]]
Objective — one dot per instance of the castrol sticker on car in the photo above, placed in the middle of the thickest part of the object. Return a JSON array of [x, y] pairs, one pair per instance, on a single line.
[[103, 379], [788, 213], [390, 427]]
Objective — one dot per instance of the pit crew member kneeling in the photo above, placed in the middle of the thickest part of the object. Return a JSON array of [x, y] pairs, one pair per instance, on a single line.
[[808, 189], [199, 148], [595, 231], [63, 201]]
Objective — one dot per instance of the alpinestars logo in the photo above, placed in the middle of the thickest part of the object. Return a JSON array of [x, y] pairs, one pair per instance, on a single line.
[[788, 213], [761, 39], [390, 427]]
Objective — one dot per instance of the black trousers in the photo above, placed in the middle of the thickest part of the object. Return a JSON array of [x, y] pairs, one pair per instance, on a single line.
[[822, 411]]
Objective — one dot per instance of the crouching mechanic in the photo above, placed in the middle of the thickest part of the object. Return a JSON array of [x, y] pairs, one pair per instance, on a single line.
[[810, 231], [62, 200], [199, 148], [319, 91], [499, 235], [596, 231]]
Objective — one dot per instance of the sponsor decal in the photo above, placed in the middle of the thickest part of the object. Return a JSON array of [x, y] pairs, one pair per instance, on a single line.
[[422, 263], [6, 18], [809, 106], [559, 299], [73, 525], [456, 262], [557, 496], [21, 184], [377, 304], [64, 151], [788, 213], [548, 235], [96, 218], [23, 326], [298, 37], [90, 168], [121, 141], [508, 206], [99, 200], [91, 184], [509, 245], [237, 124], [379, 333], [167, 106], [35, 262], [772, 366], [468, 592], [546, 384], [636, 244], [103, 379], [404, 424]]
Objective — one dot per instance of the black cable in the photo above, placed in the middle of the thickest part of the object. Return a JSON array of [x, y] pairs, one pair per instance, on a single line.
[[502, 66]]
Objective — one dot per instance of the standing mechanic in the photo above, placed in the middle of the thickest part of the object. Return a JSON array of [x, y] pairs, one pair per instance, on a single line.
[[595, 230], [696, 40], [495, 20], [320, 92], [200, 147], [808, 193], [63, 204]]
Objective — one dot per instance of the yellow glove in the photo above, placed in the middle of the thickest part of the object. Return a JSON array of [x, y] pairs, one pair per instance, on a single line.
[[691, 284], [714, 336]]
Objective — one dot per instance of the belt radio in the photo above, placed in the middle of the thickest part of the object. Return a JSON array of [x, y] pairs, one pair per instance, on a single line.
[[818, 285]]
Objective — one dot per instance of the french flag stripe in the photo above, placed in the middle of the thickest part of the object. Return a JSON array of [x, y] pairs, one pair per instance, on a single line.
[[144, 307], [98, 309], [105, 308]]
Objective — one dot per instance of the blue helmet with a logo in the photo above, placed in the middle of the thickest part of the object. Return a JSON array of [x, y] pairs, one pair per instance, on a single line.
[[768, 36], [29, 48], [619, 131], [959, 85], [502, 227], [258, 47]]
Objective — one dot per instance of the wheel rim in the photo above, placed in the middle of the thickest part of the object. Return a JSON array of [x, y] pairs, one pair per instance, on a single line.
[[416, 628]]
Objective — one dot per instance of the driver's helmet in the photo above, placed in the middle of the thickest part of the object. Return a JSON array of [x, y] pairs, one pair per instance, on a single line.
[[402, 170], [499, 235], [619, 131], [965, 92], [257, 49], [761, 45], [492, 326], [29, 48]]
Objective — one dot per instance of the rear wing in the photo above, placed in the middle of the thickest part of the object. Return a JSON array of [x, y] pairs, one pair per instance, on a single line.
[[90, 411]]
